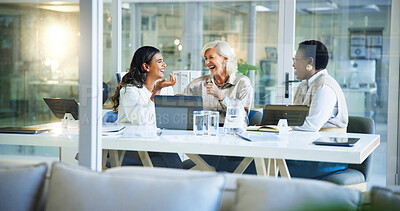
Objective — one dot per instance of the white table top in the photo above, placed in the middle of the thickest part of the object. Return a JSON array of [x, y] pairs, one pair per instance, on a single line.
[[297, 145]]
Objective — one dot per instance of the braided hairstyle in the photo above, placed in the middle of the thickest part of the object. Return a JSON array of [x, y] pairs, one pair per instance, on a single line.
[[136, 75]]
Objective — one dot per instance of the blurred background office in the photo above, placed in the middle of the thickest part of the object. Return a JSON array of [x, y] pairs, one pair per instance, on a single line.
[[39, 44]]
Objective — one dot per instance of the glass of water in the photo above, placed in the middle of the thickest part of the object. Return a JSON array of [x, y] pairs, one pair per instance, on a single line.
[[206, 115], [213, 123], [198, 123]]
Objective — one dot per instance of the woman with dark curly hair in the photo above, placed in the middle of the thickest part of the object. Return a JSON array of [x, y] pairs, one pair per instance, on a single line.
[[134, 95], [134, 99]]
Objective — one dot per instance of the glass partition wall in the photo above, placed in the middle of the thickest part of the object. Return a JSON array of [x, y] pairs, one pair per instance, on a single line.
[[180, 29], [357, 35], [39, 44], [39, 58]]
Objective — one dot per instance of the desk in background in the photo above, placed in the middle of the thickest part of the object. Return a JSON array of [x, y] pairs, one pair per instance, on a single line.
[[361, 101]]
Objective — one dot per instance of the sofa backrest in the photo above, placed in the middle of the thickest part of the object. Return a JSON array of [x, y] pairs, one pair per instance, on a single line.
[[21, 184], [137, 188]]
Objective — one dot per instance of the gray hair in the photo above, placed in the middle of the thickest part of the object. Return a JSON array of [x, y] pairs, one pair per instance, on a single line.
[[225, 50]]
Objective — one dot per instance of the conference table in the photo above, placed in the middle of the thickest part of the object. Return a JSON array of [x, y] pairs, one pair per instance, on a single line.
[[268, 150]]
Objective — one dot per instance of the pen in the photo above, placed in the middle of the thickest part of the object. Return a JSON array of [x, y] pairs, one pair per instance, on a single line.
[[242, 137]]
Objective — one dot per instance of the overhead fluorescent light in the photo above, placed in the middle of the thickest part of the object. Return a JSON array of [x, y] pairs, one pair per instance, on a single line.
[[260, 8], [372, 7], [61, 8], [321, 9], [328, 6]]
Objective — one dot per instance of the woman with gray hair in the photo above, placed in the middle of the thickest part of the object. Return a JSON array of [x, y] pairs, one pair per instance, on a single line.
[[218, 89], [222, 84]]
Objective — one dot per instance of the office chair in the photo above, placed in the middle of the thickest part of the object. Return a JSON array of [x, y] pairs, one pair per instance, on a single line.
[[357, 175]]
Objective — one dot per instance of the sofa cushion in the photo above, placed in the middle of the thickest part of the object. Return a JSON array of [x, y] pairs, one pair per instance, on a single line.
[[132, 188], [21, 185], [296, 194], [385, 198]]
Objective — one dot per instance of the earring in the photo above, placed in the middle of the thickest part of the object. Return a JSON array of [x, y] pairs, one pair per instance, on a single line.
[[309, 67], [224, 64]]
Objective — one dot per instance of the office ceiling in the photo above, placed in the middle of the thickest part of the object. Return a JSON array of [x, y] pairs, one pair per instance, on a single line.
[[305, 6]]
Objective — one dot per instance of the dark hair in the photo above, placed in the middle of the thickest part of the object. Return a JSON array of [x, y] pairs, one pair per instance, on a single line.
[[136, 75], [317, 50]]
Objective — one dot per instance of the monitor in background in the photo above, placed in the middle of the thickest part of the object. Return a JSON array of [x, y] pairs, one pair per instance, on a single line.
[[61, 106], [295, 114], [176, 112]]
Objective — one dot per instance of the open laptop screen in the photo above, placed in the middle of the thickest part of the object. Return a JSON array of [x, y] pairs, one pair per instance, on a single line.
[[295, 114], [61, 106], [176, 112]]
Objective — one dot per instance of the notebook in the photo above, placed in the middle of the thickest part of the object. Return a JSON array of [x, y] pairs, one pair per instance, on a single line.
[[176, 112], [61, 106], [23, 130]]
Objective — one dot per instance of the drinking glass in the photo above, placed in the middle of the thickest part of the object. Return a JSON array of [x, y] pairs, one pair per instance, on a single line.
[[213, 123], [206, 115], [198, 123]]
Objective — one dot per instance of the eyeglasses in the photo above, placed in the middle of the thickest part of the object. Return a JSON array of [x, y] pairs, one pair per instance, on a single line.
[[294, 58]]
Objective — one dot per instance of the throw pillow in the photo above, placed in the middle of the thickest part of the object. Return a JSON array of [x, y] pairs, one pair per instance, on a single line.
[[21, 186], [77, 188], [296, 194]]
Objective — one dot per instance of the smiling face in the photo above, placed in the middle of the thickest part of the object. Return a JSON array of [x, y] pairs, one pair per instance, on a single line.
[[215, 62], [156, 67], [299, 64]]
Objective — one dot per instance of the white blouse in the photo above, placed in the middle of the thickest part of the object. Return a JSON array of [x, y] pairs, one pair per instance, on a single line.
[[135, 106], [324, 105]]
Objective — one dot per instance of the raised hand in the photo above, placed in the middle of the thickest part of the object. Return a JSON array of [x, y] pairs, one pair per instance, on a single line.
[[165, 83]]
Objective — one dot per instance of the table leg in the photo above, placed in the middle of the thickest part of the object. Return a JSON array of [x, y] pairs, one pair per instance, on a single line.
[[145, 158], [243, 165], [273, 171], [121, 155], [283, 169], [116, 157], [104, 158], [200, 163], [260, 166]]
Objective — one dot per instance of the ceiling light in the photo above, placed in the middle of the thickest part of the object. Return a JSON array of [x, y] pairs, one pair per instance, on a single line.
[[61, 8], [260, 8], [372, 7]]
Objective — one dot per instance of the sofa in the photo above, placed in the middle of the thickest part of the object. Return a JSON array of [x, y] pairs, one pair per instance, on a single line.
[[39, 186]]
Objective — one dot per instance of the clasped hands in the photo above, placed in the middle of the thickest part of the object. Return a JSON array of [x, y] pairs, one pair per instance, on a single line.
[[213, 90]]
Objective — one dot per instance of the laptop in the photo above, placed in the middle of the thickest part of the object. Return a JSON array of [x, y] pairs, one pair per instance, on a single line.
[[23, 130], [176, 112], [295, 114], [61, 106]]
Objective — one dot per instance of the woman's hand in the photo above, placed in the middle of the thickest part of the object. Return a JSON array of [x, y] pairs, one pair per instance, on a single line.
[[165, 83], [213, 90]]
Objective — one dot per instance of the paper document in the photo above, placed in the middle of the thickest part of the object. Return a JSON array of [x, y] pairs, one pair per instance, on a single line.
[[112, 130]]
